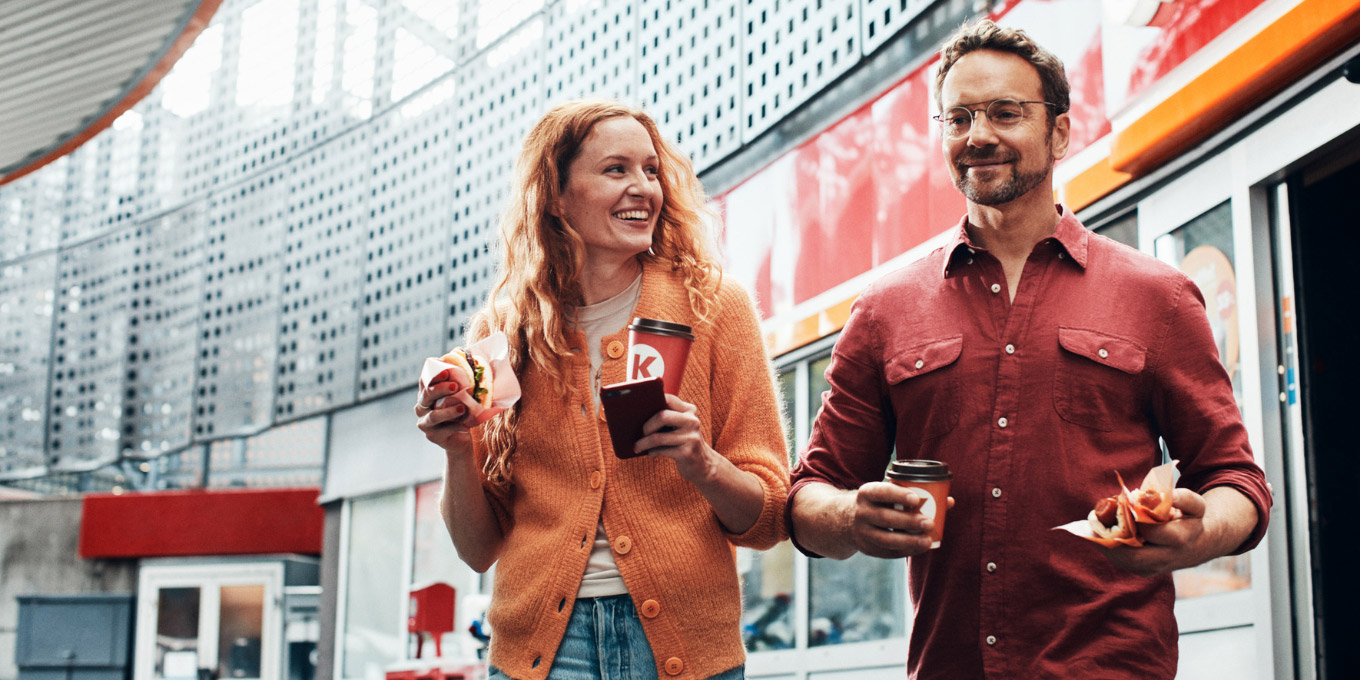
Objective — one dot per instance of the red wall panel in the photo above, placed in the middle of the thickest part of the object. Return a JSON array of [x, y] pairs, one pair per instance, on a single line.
[[202, 522]]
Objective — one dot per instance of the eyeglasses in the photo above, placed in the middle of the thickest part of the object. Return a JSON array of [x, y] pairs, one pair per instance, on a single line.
[[1003, 114]]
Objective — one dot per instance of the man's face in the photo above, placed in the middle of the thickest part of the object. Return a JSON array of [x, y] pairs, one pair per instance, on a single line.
[[990, 166]]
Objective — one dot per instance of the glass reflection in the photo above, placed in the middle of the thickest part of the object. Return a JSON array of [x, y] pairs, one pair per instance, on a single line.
[[177, 633], [242, 627], [860, 599], [767, 597]]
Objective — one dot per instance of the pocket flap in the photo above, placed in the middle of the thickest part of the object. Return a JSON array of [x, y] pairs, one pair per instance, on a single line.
[[1115, 352], [922, 358]]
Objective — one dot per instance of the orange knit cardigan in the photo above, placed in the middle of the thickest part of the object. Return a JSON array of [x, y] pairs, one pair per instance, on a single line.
[[674, 555]]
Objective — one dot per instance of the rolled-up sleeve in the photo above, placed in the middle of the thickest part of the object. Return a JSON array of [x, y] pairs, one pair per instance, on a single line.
[[1197, 415], [747, 427], [852, 436]]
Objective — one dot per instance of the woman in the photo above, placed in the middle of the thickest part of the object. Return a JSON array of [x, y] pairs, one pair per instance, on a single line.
[[609, 567]]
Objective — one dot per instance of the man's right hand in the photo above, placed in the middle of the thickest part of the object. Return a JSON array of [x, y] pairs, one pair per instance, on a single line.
[[888, 522]]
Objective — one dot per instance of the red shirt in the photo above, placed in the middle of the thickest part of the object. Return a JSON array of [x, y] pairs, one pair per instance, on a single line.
[[1034, 404]]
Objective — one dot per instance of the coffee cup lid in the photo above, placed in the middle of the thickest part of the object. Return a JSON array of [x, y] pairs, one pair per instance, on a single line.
[[919, 470], [659, 327]]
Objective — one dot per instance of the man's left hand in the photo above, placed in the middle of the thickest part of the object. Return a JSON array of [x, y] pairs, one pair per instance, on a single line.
[[1210, 525]]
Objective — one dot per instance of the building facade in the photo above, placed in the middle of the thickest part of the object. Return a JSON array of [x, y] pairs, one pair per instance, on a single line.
[[236, 283]]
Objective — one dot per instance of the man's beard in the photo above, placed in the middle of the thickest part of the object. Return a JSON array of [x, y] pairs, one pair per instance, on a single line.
[[1018, 185]]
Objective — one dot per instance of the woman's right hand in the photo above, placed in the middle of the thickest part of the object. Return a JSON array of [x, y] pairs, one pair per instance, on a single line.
[[443, 425]]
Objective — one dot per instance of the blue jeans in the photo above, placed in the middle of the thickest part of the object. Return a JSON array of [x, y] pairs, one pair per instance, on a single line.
[[604, 641]]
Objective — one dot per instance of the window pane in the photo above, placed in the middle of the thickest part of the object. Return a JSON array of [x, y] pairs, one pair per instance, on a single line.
[[177, 633], [1203, 249], [1124, 229], [862, 598], [238, 639], [788, 384], [767, 597], [816, 386], [437, 560], [373, 588]]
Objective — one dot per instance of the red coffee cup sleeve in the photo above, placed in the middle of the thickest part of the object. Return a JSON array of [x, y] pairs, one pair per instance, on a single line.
[[495, 350]]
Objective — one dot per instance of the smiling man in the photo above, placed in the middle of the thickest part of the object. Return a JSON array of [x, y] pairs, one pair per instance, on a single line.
[[1035, 359]]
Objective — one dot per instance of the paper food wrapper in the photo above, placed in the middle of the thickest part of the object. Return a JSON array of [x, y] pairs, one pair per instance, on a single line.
[[1149, 504], [494, 350]]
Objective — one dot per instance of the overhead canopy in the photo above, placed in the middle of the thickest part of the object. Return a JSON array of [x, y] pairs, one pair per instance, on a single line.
[[69, 68]]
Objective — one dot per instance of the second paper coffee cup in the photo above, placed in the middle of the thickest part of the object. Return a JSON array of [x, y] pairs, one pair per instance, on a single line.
[[658, 349], [928, 478]]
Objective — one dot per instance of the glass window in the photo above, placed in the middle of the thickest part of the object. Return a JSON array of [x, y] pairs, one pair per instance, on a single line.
[[373, 586], [860, 599], [1123, 229], [240, 632], [436, 560], [1203, 249], [816, 386], [177, 633], [768, 595], [788, 390]]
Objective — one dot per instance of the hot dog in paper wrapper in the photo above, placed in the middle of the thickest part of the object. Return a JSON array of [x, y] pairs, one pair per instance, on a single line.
[[1115, 519], [482, 372]]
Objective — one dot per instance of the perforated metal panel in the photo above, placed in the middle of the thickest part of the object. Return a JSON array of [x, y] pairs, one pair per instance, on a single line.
[[162, 323], [288, 455], [881, 19], [238, 329], [322, 275], [409, 211], [31, 212], [689, 75], [26, 295], [592, 50], [94, 291], [792, 49], [500, 95]]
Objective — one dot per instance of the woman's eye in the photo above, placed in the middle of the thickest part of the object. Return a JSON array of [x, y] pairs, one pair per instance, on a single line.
[[653, 170], [614, 169]]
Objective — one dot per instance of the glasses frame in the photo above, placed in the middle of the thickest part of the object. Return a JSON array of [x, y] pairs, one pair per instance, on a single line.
[[982, 107]]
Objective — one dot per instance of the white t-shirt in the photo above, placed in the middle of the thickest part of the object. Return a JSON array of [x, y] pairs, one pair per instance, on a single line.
[[602, 578]]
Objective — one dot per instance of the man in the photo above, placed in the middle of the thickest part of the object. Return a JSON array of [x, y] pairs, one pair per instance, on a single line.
[[1036, 359]]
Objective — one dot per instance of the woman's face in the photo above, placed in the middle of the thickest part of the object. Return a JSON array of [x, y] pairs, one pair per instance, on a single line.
[[613, 191]]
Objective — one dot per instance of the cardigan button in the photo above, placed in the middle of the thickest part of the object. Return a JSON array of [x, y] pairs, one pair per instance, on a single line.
[[614, 349], [595, 478], [622, 545], [674, 666], [651, 608]]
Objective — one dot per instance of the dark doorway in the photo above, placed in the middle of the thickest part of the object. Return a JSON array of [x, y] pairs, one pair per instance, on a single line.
[[1326, 241]]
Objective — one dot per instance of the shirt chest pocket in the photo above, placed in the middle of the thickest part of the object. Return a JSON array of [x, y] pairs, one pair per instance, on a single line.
[[923, 385], [1095, 381]]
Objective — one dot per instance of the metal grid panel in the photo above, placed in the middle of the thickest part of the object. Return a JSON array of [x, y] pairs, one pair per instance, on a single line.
[[592, 51], [31, 212], [690, 58], [26, 296], [409, 210], [881, 19], [500, 95], [322, 272], [288, 455], [238, 330], [792, 49], [164, 298], [94, 290]]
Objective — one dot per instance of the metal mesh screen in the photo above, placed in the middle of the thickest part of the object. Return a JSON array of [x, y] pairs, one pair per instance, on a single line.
[[303, 208]]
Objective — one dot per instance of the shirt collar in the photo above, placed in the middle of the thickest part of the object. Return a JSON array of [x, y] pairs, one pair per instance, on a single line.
[[1069, 234]]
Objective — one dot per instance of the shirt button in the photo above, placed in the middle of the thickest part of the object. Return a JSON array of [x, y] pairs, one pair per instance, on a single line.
[[1103, 354], [622, 545], [614, 349], [970, 260], [996, 288], [595, 478], [650, 609], [991, 639], [1002, 422], [1010, 349], [920, 363], [1061, 256], [996, 492], [991, 567], [674, 666]]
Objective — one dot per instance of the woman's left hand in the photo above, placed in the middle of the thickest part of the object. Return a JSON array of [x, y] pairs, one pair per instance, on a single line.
[[675, 434]]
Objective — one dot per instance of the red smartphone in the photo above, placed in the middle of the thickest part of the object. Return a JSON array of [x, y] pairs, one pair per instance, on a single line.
[[627, 407]]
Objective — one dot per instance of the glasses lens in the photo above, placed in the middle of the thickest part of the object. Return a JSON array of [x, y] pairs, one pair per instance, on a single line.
[[1005, 113], [957, 121]]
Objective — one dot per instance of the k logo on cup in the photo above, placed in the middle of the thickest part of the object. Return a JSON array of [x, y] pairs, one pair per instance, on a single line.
[[927, 505], [645, 363]]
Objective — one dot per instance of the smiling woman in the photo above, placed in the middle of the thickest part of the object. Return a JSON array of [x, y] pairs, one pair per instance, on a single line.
[[604, 225]]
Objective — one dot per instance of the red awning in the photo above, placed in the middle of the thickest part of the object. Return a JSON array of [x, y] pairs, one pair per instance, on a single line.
[[202, 522]]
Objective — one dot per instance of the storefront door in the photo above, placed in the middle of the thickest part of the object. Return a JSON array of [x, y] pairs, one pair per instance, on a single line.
[[209, 622]]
